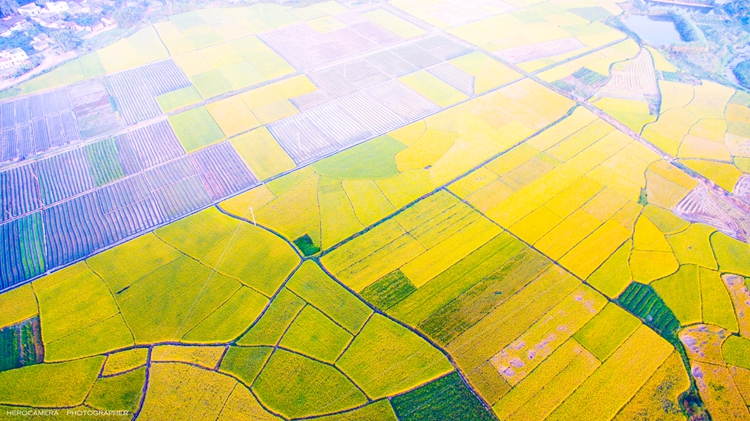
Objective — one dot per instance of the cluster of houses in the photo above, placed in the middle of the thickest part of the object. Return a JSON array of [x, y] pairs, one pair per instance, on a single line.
[[54, 15], [51, 16]]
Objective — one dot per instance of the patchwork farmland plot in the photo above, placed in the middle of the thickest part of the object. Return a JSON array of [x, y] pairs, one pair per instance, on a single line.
[[20, 192], [25, 259], [110, 190], [366, 111], [589, 199], [35, 124], [388, 172], [410, 210], [336, 125], [93, 109], [260, 348], [531, 35], [146, 147], [487, 308], [135, 91], [358, 98], [322, 40]]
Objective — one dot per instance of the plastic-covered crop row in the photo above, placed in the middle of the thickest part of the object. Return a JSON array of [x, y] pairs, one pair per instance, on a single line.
[[22, 254], [222, 170], [63, 176], [76, 228], [134, 102], [19, 192], [135, 90], [151, 145], [35, 124], [349, 120]]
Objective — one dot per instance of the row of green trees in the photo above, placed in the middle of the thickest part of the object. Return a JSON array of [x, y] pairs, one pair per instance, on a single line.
[[686, 28], [8, 7], [739, 9], [742, 73]]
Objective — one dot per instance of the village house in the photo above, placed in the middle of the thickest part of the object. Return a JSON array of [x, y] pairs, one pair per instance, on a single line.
[[46, 20], [40, 46], [57, 6], [96, 26], [76, 8], [41, 42], [41, 37], [11, 24], [49, 17], [30, 10], [13, 58], [72, 26], [15, 22]]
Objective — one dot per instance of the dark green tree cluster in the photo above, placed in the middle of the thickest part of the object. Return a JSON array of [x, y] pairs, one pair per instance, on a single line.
[[18, 40], [66, 39], [686, 28], [742, 73], [86, 20], [127, 17], [739, 9], [8, 7]]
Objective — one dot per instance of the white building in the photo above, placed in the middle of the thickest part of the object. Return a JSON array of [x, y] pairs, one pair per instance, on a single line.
[[13, 58], [15, 22], [41, 37], [75, 8], [57, 6], [41, 42], [46, 19], [29, 10]]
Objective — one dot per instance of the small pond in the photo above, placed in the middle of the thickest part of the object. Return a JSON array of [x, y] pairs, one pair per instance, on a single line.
[[654, 30]]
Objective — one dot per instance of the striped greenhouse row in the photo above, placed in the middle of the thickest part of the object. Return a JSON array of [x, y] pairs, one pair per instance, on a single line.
[[132, 98], [182, 197], [78, 227], [22, 254], [442, 47], [304, 47], [163, 77], [348, 77], [150, 145], [104, 161], [135, 90], [349, 120], [19, 192], [63, 176], [222, 170], [170, 173], [37, 136], [21, 111], [122, 194], [454, 76]]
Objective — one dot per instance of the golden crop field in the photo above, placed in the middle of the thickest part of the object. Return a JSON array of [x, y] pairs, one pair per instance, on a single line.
[[406, 210]]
